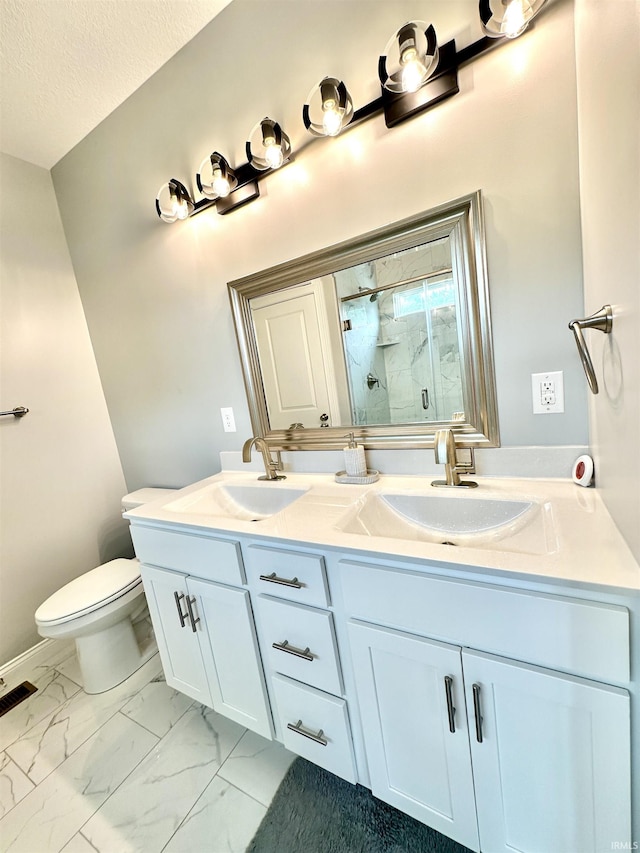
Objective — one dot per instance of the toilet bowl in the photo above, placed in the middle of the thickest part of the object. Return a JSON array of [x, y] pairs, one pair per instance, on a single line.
[[98, 610]]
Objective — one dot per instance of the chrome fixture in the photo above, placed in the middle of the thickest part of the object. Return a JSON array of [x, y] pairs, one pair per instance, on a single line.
[[415, 74], [271, 466], [329, 108], [601, 320], [18, 412], [299, 729], [372, 382], [268, 146], [445, 451], [508, 18]]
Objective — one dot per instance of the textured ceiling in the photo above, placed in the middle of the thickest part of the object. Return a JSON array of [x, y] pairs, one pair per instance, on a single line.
[[66, 64]]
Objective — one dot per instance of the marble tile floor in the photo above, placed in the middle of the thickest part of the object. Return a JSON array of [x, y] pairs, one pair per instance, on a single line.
[[138, 768]]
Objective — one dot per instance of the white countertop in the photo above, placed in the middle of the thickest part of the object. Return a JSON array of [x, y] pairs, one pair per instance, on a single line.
[[581, 545]]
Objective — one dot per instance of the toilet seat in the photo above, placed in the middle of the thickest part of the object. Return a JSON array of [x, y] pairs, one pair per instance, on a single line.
[[90, 591]]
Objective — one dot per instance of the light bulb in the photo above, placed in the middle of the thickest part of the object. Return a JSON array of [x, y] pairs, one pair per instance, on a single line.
[[181, 208], [220, 185], [273, 153], [331, 118], [516, 18], [413, 71]]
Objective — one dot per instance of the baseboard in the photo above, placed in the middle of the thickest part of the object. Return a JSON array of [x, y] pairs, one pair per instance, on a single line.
[[32, 656]]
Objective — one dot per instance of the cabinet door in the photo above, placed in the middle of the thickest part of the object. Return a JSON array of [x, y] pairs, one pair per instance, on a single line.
[[230, 650], [552, 768], [177, 643], [416, 762]]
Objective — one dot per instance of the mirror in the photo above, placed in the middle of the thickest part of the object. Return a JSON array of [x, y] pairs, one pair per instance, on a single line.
[[387, 335]]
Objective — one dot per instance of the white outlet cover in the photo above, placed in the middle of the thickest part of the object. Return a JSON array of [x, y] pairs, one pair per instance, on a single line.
[[547, 393]]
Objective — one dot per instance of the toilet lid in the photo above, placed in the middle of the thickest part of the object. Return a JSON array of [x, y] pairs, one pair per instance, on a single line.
[[91, 590]]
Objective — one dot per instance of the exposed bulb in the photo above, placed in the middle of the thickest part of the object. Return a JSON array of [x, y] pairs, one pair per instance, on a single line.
[[413, 71], [516, 18], [331, 118], [273, 153], [220, 185], [181, 209]]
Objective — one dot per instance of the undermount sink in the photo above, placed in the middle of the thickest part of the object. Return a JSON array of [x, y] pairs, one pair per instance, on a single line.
[[475, 522], [233, 500]]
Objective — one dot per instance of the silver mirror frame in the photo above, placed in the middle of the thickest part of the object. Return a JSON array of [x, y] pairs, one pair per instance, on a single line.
[[463, 220]]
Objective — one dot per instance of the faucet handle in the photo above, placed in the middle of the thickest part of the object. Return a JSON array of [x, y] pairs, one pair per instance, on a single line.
[[444, 446]]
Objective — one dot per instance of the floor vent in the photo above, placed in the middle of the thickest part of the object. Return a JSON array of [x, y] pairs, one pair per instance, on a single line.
[[16, 696]]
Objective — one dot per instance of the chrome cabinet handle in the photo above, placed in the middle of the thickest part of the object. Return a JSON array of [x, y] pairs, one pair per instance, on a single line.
[[601, 320], [299, 729], [273, 578], [190, 602], [292, 650], [182, 616], [477, 712], [448, 685]]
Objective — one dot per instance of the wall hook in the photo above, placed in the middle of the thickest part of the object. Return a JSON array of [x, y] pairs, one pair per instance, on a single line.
[[601, 320]]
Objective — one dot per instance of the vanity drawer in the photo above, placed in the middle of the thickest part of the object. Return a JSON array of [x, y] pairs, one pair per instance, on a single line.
[[315, 726], [204, 557], [299, 641], [287, 574], [582, 637]]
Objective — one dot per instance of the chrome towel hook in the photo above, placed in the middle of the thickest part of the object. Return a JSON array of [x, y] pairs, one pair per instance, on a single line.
[[601, 320]]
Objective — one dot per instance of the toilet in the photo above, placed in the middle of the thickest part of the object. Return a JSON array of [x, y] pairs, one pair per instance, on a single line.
[[98, 610]]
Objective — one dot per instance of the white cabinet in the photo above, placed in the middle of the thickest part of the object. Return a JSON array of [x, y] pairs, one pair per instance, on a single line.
[[547, 754], [551, 761], [299, 648], [412, 708], [208, 645], [179, 646]]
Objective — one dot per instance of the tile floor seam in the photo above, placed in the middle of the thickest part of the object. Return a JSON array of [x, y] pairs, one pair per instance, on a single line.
[[133, 770]]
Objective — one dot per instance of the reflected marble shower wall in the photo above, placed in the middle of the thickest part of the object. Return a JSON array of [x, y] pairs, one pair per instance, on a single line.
[[370, 405], [403, 361]]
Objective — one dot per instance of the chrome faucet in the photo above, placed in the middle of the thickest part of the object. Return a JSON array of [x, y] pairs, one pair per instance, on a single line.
[[445, 450], [271, 466]]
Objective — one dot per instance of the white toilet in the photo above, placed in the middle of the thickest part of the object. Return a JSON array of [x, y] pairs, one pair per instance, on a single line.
[[98, 610]]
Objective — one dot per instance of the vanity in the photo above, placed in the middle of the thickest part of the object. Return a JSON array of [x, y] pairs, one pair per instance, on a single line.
[[469, 662]]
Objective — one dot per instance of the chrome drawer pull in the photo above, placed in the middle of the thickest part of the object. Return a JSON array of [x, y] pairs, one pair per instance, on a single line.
[[190, 601], [291, 650], [273, 578], [476, 709], [298, 729], [448, 684], [182, 616]]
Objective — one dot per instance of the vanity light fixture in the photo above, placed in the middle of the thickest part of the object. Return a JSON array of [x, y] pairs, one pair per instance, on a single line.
[[415, 74], [507, 18], [410, 58], [268, 146], [174, 201], [329, 108], [215, 178]]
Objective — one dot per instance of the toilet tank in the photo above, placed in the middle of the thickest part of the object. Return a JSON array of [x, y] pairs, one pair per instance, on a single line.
[[144, 496]]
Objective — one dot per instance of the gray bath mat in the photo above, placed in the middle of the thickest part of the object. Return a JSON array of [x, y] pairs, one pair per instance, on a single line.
[[316, 812]]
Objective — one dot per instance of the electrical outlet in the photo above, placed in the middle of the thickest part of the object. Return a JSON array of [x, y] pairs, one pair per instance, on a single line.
[[548, 393], [228, 421]]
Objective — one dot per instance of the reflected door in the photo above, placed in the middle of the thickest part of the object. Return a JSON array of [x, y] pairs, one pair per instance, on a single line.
[[294, 370]]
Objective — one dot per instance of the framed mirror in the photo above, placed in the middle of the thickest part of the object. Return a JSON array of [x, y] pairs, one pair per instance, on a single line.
[[387, 335]]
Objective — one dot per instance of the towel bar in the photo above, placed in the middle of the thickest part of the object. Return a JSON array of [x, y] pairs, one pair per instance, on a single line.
[[18, 412], [601, 320]]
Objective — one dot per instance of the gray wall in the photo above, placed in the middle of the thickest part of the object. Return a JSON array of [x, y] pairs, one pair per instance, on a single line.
[[61, 481], [609, 121], [155, 295]]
